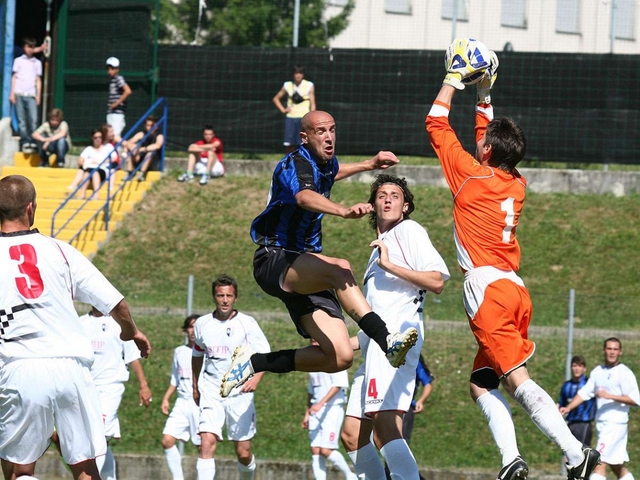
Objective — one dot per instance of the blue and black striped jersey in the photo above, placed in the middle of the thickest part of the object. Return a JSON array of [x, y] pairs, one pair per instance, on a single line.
[[586, 411], [283, 223]]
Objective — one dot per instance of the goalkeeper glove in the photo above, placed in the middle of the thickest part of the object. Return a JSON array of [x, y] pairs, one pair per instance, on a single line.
[[483, 87], [458, 64]]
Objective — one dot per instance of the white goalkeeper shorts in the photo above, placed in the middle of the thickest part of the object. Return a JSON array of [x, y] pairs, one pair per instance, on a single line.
[[377, 386], [612, 443], [238, 412], [110, 399], [216, 171], [40, 394], [183, 421], [325, 426]]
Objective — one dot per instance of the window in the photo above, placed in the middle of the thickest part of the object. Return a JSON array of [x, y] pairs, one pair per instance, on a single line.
[[398, 6], [463, 9], [624, 19], [514, 13], [568, 16]]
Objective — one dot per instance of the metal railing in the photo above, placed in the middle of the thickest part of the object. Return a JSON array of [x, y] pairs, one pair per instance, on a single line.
[[161, 123]]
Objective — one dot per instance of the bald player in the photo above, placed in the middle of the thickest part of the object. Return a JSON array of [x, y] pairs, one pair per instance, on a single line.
[[289, 263]]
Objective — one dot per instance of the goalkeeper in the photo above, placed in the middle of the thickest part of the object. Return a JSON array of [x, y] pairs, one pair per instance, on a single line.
[[488, 196]]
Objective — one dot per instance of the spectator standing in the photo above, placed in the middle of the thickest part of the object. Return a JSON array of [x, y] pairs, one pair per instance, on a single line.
[[119, 92], [300, 97], [205, 158], [110, 373], [488, 197], [53, 137], [289, 265], [144, 148], [579, 419], [216, 336], [615, 388], [182, 423], [45, 379], [402, 268], [26, 92], [323, 418]]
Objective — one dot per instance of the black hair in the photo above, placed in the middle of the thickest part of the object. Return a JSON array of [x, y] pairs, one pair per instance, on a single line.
[[612, 339], [29, 41], [224, 280], [508, 144], [208, 126], [579, 359], [187, 321], [298, 69], [400, 182]]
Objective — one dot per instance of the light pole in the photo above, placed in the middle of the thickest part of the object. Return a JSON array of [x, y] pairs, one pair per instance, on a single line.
[[296, 22]]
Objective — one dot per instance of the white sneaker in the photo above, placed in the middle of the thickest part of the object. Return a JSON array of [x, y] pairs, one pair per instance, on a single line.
[[185, 177], [399, 344], [204, 179], [239, 372]]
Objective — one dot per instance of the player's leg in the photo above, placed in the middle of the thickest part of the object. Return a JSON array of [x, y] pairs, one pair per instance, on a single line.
[[240, 412], [172, 456], [86, 470], [206, 464], [621, 472], [179, 426], [312, 272], [246, 460], [325, 437]]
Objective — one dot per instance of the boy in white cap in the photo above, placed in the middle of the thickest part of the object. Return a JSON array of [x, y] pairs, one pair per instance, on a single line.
[[119, 91]]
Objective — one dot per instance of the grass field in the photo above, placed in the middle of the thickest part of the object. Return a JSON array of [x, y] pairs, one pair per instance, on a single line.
[[581, 242]]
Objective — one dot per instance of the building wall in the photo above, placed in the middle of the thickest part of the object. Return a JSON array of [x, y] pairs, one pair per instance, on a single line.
[[425, 28]]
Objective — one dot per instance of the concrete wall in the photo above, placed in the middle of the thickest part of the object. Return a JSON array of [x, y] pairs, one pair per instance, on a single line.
[[141, 467]]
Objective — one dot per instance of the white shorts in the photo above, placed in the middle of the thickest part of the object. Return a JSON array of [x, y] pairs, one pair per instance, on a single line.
[[183, 421], [377, 386], [38, 394], [216, 171], [324, 427], [238, 412], [116, 120], [612, 443], [110, 398]]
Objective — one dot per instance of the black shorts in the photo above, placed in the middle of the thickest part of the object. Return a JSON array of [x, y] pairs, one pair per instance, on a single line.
[[269, 267], [101, 172]]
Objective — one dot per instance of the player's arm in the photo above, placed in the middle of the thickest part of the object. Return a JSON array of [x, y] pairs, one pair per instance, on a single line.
[[315, 408], [196, 368], [122, 315], [426, 392], [626, 399], [305, 419], [145, 392], [314, 202], [573, 404], [381, 161], [164, 406], [277, 101], [312, 98]]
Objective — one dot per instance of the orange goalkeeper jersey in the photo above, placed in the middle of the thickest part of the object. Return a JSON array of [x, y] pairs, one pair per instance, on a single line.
[[487, 201]]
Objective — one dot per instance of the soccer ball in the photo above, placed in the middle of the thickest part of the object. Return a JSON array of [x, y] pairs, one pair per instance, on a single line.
[[468, 51]]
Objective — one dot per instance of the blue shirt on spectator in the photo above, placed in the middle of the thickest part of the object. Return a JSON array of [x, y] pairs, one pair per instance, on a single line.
[[586, 411], [285, 224]]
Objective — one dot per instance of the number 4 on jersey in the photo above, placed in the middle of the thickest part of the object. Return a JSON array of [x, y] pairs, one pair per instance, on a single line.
[[372, 389]]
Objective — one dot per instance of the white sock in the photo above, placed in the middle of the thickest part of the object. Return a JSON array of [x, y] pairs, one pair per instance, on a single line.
[[206, 468], [368, 463], [401, 462], [338, 460], [248, 472], [545, 414], [628, 476], [108, 471], [597, 476], [498, 413], [319, 467], [174, 462]]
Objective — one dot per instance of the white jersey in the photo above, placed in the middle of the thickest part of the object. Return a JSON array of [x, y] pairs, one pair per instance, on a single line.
[[320, 383], [93, 157], [112, 355], [41, 277], [181, 372], [389, 296], [217, 339], [618, 380]]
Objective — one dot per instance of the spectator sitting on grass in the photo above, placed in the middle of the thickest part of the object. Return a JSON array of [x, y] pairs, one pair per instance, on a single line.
[[205, 158], [145, 151], [53, 137]]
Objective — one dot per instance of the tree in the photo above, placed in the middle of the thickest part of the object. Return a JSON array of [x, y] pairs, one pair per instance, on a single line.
[[259, 23]]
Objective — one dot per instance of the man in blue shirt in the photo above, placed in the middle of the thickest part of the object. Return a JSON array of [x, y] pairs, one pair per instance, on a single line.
[[579, 419], [289, 265]]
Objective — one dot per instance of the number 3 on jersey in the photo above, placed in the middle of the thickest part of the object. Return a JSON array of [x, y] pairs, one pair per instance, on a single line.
[[30, 285], [372, 389]]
